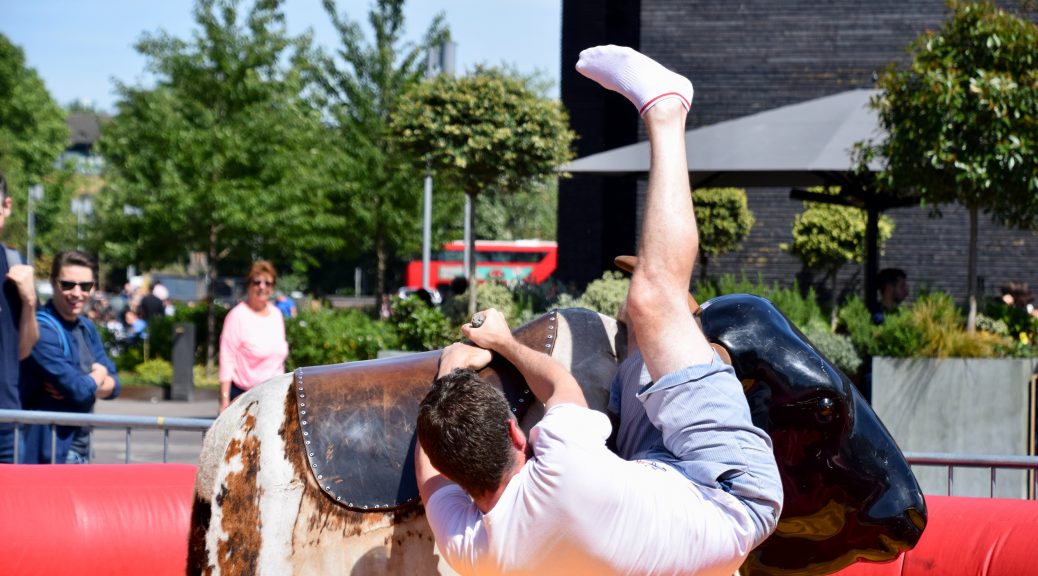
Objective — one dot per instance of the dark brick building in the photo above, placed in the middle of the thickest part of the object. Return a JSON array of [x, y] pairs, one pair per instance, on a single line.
[[745, 57]]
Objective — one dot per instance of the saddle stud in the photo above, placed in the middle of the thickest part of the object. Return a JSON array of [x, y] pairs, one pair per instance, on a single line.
[[311, 454], [307, 442], [320, 476]]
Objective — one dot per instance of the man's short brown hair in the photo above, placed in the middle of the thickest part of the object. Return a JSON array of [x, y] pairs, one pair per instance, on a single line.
[[463, 427]]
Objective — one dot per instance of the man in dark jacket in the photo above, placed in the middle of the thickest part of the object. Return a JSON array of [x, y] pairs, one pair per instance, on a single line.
[[68, 368], [18, 332]]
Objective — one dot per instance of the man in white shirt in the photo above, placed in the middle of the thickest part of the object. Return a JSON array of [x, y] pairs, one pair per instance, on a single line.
[[700, 487]]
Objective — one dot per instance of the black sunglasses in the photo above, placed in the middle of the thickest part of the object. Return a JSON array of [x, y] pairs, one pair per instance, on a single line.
[[67, 285]]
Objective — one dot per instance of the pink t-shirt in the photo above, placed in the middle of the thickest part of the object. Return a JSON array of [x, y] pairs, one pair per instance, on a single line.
[[252, 346]]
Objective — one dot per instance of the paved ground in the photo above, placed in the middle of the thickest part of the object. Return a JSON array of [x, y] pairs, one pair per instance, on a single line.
[[109, 445]]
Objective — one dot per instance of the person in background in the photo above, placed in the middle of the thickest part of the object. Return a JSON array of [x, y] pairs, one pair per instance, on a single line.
[[252, 346], [162, 293], [68, 369], [18, 330], [286, 304], [892, 285], [151, 305]]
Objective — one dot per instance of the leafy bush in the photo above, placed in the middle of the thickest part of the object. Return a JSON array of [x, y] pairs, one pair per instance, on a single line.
[[932, 327], [420, 327], [606, 294], [154, 372], [328, 336], [856, 321], [160, 330], [836, 347], [801, 310], [488, 295], [534, 299]]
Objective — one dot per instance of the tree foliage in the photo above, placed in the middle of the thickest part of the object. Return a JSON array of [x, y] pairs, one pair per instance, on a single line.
[[724, 220], [962, 121], [826, 237], [488, 132], [224, 155], [361, 88], [33, 134]]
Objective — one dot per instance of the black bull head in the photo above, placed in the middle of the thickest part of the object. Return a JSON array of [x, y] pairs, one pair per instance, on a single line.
[[849, 493]]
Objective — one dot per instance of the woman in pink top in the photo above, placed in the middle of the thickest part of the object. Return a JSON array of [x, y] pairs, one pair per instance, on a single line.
[[253, 346]]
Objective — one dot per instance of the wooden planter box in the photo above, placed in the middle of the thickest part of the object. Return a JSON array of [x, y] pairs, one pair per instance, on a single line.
[[959, 406]]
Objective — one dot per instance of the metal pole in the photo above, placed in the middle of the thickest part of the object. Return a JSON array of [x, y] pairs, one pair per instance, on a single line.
[[35, 195], [426, 230], [470, 268]]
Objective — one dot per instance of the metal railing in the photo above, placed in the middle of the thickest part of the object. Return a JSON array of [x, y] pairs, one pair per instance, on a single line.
[[993, 463], [129, 423], [94, 421]]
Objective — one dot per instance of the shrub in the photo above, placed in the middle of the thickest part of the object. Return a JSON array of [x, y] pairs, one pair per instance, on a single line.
[[154, 372], [801, 310], [836, 347], [488, 295], [160, 331], [328, 336], [606, 294], [419, 327], [856, 321]]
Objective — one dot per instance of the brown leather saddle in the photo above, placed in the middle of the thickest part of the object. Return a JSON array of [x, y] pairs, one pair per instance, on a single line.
[[358, 418]]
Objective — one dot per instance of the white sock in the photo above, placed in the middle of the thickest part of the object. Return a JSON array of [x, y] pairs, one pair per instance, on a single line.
[[639, 78]]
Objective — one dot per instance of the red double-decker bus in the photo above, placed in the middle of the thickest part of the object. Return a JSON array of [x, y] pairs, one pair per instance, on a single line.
[[501, 260]]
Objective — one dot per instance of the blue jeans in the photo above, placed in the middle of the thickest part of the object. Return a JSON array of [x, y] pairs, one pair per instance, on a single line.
[[697, 421]]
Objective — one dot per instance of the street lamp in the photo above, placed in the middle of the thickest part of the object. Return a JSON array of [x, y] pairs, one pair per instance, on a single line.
[[35, 195], [82, 206], [440, 60]]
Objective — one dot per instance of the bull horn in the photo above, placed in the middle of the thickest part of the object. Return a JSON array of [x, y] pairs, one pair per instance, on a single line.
[[629, 263]]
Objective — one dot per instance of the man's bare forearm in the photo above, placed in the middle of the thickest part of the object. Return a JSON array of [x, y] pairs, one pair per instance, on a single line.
[[549, 381]]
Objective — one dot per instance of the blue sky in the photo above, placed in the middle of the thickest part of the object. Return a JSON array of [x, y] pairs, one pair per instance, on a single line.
[[79, 46]]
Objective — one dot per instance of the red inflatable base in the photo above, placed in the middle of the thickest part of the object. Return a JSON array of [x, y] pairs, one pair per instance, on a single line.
[[968, 537], [95, 519]]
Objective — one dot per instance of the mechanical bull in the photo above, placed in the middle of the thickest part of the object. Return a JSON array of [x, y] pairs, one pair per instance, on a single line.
[[311, 473]]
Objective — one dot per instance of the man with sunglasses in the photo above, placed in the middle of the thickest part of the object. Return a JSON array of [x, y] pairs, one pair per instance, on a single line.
[[18, 332], [68, 369]]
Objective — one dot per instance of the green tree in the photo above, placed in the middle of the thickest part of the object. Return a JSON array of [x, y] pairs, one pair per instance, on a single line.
[[528, 213], [362, 87], [488, 132], [828, 236], [962, 121], [33, 134], [224, 156], [724, 221]]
